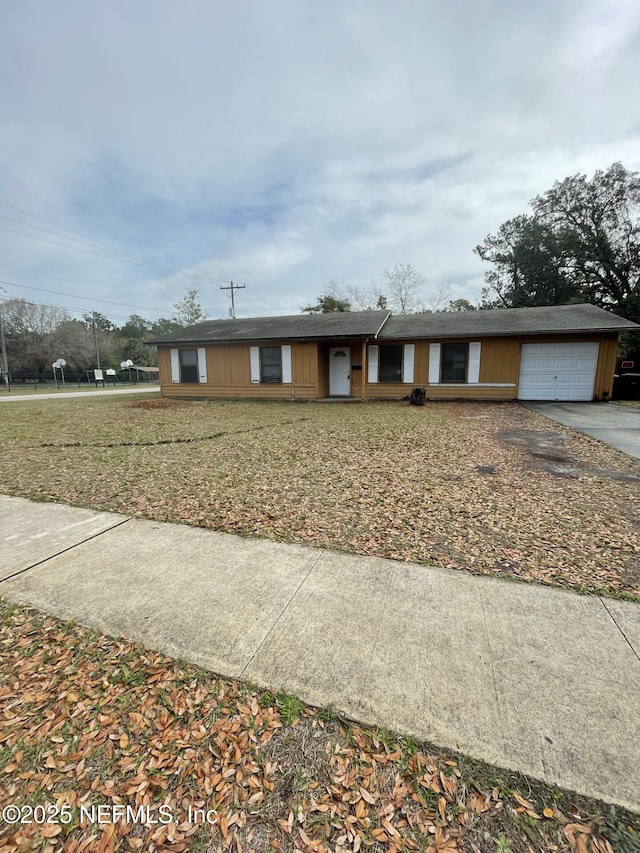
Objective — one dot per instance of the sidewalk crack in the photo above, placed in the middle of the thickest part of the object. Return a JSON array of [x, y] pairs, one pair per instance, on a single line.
[[63, 551], [493, 671], [380, 622], [277, 622], [616, 623]]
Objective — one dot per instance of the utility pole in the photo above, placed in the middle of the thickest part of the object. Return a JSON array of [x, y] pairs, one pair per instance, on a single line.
[[95, 338], [5, 367], [231, 290]]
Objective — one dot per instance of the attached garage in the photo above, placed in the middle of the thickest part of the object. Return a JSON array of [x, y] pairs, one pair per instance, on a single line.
[[552, 352], [558, 371]]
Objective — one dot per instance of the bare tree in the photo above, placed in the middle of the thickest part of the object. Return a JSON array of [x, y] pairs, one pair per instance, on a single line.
[[30, 334], [74, 341], [437, 301], [405, 284], [360, 298]]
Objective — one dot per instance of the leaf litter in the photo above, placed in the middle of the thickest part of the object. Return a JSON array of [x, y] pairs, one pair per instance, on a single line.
[[486, 488], [89, 720]]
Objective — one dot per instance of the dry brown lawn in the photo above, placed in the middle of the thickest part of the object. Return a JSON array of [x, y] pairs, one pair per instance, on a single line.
[[490, 488]]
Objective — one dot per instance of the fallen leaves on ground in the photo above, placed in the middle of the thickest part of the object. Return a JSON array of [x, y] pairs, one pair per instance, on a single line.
[[90, 721], [490, 488]]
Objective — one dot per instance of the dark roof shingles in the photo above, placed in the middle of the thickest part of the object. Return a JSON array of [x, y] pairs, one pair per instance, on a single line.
[[338, 324], [505, 321], [442, 324]]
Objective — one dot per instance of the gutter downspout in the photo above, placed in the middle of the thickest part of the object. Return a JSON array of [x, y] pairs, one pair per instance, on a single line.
[[365, 365], [375, 337]]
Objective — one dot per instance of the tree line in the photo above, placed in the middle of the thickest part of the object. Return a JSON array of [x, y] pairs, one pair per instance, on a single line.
[[36, 335]]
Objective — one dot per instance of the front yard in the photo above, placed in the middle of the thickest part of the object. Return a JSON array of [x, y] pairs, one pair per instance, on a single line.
[[490, 488]]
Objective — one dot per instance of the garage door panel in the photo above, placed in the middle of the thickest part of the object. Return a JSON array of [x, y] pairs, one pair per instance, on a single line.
[[585, 365], [559, 371]]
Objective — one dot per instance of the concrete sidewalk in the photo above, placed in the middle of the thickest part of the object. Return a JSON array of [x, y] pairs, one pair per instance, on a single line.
[[88, 392], [535, 679]]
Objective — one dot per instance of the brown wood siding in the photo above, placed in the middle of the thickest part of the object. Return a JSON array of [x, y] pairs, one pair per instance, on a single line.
[[500, 360], [421, 366], [304, 363], [607, 355], [388, 390], [228, 365], [398, 391], [356, 375], [240, 392], [470, 392], [323, 371], [229, 374], [164, 366]]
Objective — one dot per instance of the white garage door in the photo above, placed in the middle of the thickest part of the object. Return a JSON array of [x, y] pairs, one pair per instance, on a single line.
[[557, 371]]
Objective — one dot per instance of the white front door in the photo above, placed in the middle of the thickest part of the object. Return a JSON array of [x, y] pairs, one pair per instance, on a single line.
[[340, 372]]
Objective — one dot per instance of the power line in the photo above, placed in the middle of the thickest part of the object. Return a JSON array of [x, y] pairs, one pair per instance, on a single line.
[[93, 244], [142, 261], [88, 298], [112, 256], [57, 225], [81, 311], [100, 254]]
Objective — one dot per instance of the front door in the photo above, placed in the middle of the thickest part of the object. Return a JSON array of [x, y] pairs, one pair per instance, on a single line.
[[340, 372]]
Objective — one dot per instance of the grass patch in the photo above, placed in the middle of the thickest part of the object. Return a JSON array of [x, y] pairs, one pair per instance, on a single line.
[[290, 708]]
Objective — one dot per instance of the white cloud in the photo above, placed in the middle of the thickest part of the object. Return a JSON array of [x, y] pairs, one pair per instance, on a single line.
[[285, 144]]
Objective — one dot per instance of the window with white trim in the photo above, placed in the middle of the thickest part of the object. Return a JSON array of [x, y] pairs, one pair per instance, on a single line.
[[271, 365], [391, 363]]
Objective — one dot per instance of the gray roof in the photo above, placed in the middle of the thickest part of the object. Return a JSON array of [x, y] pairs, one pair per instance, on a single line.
[[505, 321], [338, 324], [367, 324]]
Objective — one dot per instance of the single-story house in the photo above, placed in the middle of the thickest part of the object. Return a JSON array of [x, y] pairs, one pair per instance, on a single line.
[[565, 352]]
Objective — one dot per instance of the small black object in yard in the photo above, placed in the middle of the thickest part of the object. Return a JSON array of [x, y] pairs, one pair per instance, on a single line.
[[418, 396]]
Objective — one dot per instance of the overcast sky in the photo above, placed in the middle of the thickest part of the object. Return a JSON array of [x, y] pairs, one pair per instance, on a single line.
[[287, 143]]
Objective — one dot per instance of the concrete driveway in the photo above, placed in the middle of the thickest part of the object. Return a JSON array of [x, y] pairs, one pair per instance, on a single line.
[[618, 426]]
